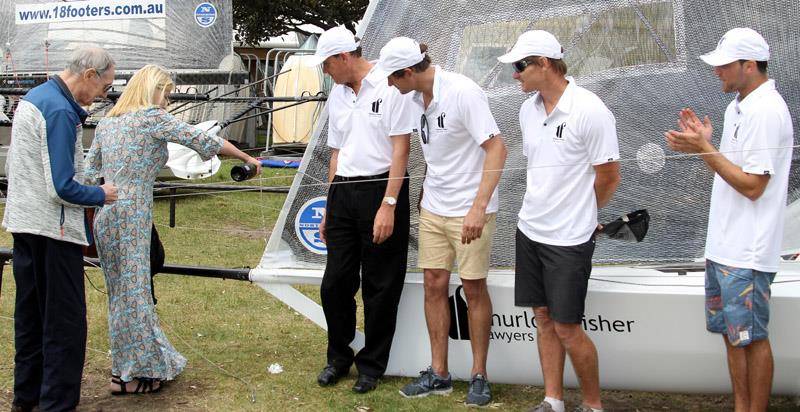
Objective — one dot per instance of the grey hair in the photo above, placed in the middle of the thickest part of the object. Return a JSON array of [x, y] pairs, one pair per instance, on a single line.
[[89, 58]]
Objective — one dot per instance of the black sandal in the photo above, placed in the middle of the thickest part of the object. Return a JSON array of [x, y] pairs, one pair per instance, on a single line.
[[143, 385]]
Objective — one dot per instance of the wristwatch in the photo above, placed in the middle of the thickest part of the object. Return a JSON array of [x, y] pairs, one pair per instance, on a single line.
[[391, 201]]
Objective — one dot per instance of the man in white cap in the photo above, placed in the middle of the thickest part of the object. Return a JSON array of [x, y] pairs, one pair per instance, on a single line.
[[569, 137], [464, 154], [745, 223], [366, 221]]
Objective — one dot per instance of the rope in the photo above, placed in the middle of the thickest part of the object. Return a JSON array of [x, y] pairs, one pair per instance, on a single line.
[[86, 275]]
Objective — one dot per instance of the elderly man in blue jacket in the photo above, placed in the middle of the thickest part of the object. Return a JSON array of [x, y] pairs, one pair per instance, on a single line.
[[44, 213]]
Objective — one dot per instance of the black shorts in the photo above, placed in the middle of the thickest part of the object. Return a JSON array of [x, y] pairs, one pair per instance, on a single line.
[[553, 276]]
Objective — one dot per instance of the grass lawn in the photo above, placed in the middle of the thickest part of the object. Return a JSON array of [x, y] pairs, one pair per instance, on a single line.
[[231, 331]]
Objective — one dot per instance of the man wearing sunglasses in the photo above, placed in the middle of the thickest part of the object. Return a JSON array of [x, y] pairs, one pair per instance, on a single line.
[[570, 140], [464, 154], [366, 221], [44, 213]]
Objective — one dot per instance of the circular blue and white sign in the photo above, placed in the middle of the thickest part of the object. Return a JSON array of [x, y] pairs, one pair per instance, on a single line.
[[306, 225], [205, 14]]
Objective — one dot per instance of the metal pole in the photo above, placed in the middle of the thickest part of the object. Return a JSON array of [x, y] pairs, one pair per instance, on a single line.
[[202, 271], [261, 113], [172, 193], [222, 95]]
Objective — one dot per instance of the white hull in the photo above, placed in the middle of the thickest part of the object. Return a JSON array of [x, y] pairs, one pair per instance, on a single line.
[[653, 334]]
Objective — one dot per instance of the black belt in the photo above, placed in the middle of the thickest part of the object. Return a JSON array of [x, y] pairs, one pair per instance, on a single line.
[[338, 178]]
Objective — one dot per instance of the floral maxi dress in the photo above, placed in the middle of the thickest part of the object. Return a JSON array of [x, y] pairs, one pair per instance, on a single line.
[[130, 150]]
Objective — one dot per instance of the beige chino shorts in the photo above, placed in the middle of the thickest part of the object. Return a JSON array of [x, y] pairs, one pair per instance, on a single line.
[[440, 245]]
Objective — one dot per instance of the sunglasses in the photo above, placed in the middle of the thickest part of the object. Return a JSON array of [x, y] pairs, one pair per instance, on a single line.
[[520, 65], [423, 124]]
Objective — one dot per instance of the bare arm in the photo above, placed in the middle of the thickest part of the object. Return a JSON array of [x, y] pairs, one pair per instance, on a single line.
[[333, 164], [228, 149], [384, 219], [695, 137], [606, 180], [331, 173], [496, 154]]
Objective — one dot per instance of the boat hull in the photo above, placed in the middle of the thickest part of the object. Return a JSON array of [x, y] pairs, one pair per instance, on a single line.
[[648, 327]]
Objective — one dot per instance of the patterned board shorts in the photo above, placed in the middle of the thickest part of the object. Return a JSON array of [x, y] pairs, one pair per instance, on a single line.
[[737, 302]]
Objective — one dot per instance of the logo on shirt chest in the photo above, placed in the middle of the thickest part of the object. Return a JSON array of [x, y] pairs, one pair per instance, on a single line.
[[376, 107], [735, 136], [559, 137], [440, 121]]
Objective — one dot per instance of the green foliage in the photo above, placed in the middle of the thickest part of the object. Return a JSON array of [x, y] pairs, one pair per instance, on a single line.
[[257, 20]]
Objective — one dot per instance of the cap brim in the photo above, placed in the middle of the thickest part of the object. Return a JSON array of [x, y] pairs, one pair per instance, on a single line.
[[717, 59], [314, 60], [380, 71], [386, 70], [511, 57]]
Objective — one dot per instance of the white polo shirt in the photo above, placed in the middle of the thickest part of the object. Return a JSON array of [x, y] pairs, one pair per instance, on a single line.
[[361, 126], [458, 122], [560, 207], [758, 137]]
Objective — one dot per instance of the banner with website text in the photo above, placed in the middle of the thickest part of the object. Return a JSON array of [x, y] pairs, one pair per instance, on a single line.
[[89, 10], [40, 35]]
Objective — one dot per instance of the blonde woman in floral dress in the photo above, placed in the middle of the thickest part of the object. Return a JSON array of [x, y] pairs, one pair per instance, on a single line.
[[130, 148]]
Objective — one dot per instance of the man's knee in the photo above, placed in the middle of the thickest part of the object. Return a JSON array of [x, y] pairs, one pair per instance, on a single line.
[[331, 289], [436, 282], [475, 290], [567, 332], [544, 323]]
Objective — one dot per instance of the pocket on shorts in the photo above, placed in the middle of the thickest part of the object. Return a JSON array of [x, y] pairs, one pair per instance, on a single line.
[[738, 274]]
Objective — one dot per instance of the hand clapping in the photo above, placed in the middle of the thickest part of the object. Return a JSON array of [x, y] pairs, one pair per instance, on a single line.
[[694, 135]]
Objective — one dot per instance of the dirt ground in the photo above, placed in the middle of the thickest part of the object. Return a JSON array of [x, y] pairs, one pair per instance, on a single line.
[[182, 396]]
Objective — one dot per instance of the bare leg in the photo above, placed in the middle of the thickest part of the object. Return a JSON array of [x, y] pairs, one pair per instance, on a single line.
[[437, 315], [737, 367], [551, 353], [480, 317], [759, 373], [583, 355]]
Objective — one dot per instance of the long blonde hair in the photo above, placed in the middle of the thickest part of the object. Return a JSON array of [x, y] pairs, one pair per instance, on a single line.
[[143, 90]]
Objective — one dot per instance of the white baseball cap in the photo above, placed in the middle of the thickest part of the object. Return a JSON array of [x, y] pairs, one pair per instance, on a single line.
[[332, 42], [741, 43], [533, 43], [399, 53]]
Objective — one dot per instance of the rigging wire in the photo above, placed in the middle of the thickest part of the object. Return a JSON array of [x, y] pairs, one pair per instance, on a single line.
[[10, 59], [321, 183], [46, 56], [249, 385], [672, 284]]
